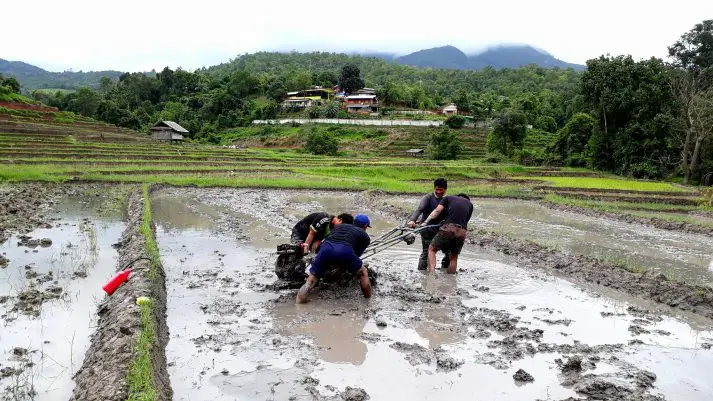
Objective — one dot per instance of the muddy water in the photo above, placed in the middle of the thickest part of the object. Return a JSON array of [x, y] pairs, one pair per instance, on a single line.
[[55, 332], [420, 337], [680, 256]]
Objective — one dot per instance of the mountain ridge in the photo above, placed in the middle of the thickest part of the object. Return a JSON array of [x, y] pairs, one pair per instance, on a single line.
[[444, 57]]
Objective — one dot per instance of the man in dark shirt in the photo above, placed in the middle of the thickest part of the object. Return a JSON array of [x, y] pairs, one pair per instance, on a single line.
[[451, 235], [312, 229], [427, 205], [343, 248]]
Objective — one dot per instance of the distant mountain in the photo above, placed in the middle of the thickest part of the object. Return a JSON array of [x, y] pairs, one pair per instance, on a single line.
[[32, 77], [505, 56], [439, 57]]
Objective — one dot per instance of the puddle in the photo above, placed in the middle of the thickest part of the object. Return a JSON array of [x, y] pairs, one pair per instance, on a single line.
[[55, 332], [232, 338]]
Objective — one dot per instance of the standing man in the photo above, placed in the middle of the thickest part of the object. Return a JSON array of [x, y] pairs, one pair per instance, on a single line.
[[451, 235], [427, 205], [343, 248], [311, 230]]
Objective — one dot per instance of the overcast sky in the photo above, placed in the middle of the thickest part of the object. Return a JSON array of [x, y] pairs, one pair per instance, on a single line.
[[133, 35]]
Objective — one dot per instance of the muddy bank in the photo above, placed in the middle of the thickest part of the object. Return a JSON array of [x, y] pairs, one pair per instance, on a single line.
[[103, 375], [630, 218]]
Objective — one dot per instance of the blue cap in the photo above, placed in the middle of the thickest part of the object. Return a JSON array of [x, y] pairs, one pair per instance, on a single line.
[[362, 220]]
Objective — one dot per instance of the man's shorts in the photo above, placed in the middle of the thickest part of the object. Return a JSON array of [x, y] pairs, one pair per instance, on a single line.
[[335, 255], [450, 238]]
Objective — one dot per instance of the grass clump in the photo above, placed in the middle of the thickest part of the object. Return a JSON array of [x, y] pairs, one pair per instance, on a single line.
[[147, 231], [141, 379]]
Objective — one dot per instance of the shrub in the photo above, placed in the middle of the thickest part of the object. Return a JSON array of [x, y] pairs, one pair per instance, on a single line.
[[342, 114], [645, 170], [445, 145], [321, 143], [455, 122], [495, 157], [331, 109], [314, 112], [529, 157]]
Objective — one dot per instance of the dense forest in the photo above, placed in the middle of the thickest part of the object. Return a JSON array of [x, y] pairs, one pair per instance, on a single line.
[[648, 118]]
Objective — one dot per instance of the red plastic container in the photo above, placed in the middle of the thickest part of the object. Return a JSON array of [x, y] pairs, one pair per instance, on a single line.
[[117, 281]]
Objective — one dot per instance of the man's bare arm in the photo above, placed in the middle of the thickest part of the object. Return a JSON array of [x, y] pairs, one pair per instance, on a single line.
[[435, 213]]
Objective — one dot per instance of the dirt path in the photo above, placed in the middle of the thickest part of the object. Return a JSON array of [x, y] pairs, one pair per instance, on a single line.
[[483, 334]]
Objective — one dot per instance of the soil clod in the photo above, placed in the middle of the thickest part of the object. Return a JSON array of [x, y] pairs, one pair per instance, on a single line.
[[522, 376]]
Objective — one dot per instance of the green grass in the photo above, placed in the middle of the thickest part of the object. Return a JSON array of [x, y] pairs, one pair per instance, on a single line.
[[617, 206], [610, 183], [151, 246], [140, 378]]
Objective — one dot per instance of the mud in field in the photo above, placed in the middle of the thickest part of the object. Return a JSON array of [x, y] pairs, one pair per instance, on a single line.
[[50, 287], [494, 331], [678, 255]]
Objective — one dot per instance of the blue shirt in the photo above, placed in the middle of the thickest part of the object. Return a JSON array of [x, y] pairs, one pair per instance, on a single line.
[[349, 234]]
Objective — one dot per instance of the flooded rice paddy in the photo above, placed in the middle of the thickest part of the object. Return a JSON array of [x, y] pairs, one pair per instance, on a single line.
[[49, 292], [233, 336]]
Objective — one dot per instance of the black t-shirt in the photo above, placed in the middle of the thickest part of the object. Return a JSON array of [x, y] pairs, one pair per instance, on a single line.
[[319, 221], [350, 234], [458, 210]]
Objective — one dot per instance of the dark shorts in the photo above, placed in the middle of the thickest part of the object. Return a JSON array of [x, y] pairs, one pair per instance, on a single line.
[[450, 238], [340, 255]]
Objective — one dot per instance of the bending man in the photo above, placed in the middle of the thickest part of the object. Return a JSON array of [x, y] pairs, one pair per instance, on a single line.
[[428, 204], [342, 249], [451, 235], [311, 230]]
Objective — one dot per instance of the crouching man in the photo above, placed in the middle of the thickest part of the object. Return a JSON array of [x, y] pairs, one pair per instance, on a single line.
[[451, 235], [314, 228], [341, 249]]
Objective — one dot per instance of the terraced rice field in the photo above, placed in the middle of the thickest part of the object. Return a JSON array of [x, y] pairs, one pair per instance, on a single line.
[[44, 149]]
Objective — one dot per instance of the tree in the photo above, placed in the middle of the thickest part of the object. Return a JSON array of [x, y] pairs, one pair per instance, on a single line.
[[455, 122], [11, 83], [445, 145], [636, 114], [692, 55], [509, 130], [350, 79], [321, 143], [573, 138], [694, 50]]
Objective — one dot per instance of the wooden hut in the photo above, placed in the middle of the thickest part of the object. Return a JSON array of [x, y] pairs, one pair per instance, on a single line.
[[168, 131]]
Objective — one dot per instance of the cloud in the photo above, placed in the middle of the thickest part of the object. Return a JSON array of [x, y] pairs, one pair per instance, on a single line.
[[134, 35]]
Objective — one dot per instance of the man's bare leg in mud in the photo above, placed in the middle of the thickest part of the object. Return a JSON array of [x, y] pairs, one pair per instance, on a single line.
[[364, 282], [453, 264], [306, 289], [432, 259]]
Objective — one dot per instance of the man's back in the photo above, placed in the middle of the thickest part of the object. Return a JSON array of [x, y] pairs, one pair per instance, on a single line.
[[310, 220], [458, 210], [349, 234]]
